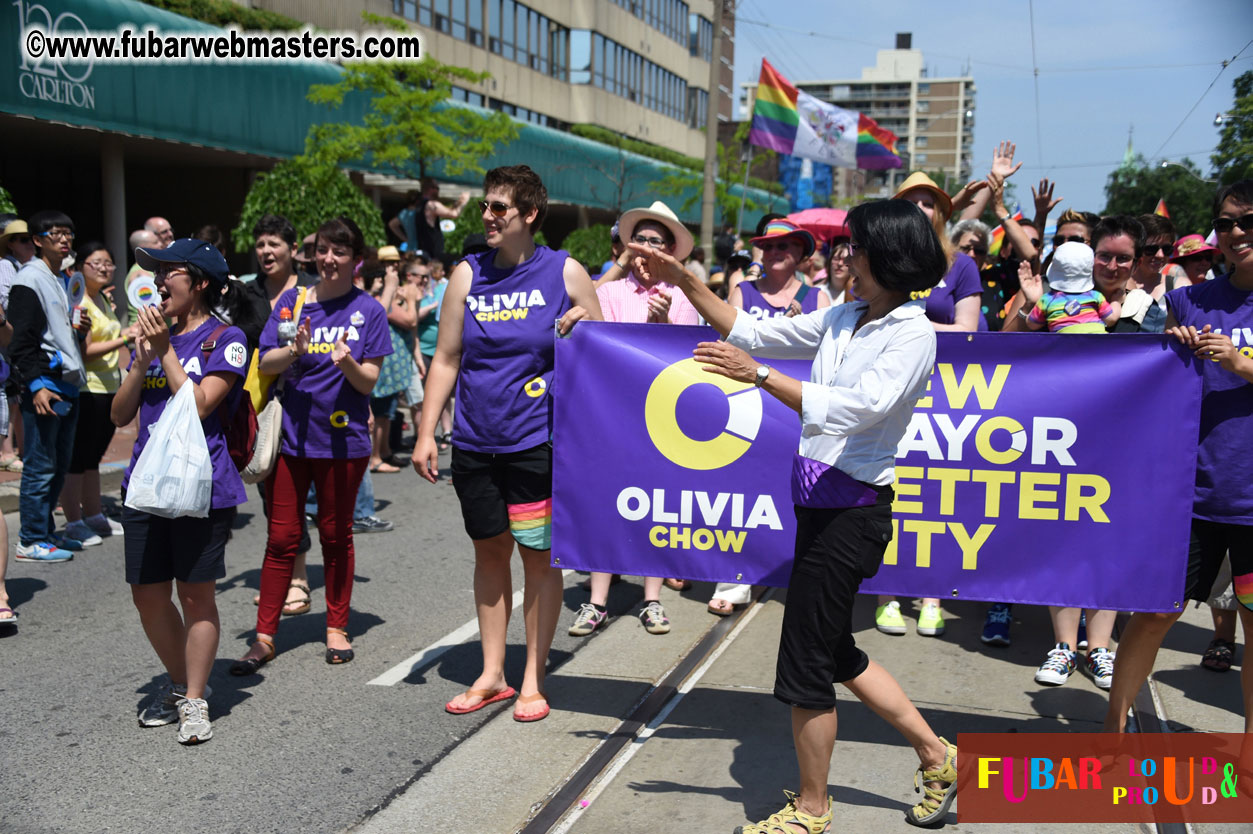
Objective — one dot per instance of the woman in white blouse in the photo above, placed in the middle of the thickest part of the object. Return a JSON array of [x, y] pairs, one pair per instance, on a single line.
[[871, 363]]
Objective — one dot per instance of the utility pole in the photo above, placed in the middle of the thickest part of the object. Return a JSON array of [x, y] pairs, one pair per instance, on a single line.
[[711, 130]]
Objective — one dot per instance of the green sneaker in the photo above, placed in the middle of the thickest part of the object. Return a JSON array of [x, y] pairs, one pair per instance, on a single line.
[[930, 621], [790, 815], [935, 801], [888, 619]]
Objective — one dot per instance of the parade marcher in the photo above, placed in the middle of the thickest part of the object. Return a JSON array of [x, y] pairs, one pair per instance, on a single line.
[[872, 361], [80, 497], [47, 357], [1144, 308], [1195, 256], [330, 367], [502, 366], [184, 555], [641, 300], [1203, 317]]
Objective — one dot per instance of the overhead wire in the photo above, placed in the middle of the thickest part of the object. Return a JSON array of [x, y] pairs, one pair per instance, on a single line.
[[1035, 78], [1201, 98]]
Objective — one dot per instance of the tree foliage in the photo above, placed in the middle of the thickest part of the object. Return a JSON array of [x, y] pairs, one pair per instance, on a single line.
[[1233, 160], [307, 193], [410, 123], [589, 246], [227, 13], [6, 202], [1136, 188]]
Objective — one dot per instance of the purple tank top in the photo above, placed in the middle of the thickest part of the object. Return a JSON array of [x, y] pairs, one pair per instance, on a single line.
[[756, 305], [507, 348]]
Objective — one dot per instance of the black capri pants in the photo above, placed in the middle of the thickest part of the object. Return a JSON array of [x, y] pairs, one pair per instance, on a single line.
[[94, 432], [835, 550]]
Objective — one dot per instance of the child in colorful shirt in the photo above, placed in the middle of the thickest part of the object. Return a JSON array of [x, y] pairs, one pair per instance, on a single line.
[[1072, 304]]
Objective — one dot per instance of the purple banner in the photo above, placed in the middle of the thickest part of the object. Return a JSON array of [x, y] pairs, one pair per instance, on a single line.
[[1039, 469]]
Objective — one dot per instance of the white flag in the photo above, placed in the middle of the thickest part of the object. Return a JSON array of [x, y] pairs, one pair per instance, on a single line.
[[826, 133]]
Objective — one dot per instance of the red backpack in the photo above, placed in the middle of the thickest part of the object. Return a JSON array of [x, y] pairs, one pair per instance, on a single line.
[[240, 427]]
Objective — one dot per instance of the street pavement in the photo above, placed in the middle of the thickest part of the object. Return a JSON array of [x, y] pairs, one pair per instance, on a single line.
[[307, 747]]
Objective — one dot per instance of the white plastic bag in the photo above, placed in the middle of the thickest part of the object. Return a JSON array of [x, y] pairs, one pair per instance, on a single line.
[[174, 476]]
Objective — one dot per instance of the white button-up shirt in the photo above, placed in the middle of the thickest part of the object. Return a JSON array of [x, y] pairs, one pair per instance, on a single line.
[[862, 388]]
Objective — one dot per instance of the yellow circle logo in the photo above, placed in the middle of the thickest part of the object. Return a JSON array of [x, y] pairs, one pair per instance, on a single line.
[[536, 387], [660, 416], [339, 419]]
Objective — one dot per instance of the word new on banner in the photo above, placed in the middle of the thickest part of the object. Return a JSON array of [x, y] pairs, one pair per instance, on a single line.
[[1038, 468]]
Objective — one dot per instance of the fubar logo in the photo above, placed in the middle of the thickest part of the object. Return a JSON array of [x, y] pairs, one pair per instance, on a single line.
[[661, 412]]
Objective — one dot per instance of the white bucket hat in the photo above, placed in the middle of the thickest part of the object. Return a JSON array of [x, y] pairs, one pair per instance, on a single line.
[[1071, 269], [661, 213]]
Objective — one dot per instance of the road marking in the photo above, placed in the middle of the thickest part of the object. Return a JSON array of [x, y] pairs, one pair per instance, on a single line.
[[433, 652], [638, 742]]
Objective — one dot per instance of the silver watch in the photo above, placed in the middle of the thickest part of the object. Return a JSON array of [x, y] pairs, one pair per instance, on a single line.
[[763, 371]]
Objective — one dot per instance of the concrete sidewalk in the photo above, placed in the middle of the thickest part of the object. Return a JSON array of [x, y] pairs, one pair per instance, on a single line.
[[722, 754]]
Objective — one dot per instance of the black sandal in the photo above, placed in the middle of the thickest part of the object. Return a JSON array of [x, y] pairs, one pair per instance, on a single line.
[[250, 665], [335, 657], [1219, 655]]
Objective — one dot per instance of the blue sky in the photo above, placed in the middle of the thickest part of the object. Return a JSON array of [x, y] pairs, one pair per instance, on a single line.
[[1104, 67]]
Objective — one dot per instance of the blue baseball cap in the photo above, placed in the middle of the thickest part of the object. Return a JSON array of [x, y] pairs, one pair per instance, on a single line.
[[186, 250]]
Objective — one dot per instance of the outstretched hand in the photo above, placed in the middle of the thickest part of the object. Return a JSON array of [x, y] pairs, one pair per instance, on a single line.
[[1003, 160], [1044, 202], [725, 360], [340, 351], [655, 265]]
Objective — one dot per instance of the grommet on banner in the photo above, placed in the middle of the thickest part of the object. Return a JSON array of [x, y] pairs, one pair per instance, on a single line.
[[739, 576], [556, 561], [954, 592]]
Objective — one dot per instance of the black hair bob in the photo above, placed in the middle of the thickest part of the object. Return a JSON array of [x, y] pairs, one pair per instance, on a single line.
[[900, 243]]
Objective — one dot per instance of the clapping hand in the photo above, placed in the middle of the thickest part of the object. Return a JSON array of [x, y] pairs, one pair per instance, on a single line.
[[153, 328], [1032, 285], [304, 336], [340, 351], [659, 308]]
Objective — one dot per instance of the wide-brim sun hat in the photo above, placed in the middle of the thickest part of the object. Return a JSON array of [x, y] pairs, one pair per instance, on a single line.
[[660, 213], [1190, 245], [782, 229], [187, 250], [387, 254], [1071, 269], [14, 227], [920, 180]]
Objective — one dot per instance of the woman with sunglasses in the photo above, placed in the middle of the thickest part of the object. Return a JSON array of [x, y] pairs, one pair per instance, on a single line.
[[1195, 257], [496, 346], [186, 555], [871, 363], [1210, 319], [1144, 308], [80, 497]]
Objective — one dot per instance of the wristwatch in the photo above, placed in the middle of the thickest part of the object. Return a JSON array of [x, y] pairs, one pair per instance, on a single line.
[[763, 371], [1022, 312]]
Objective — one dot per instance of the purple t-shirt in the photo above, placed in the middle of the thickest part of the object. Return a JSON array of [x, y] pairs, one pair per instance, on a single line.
[[323, 415], [1224, 465], [756, 305], [962, 281], [229, 356], [508, 348]]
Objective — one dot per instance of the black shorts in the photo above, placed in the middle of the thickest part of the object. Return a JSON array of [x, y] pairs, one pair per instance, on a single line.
[[384, 408], [187, 549], [511, 491], [94, 432], [835, 551], [1210, 543]]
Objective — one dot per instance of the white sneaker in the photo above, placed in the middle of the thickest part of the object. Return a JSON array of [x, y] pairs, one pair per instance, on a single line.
[[193, 721], [84, 534], [102, 525], [163, 709], [1057, 667]]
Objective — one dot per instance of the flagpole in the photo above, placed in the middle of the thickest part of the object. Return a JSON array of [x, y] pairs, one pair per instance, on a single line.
[[739, 221]]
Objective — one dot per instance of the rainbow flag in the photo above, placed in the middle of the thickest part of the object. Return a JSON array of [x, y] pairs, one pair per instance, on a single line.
[[792, 122], [998, 236], [1161, 211]]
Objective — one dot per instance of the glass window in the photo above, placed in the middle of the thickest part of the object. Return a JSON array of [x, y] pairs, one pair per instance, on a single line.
[[442, 22], [523, 29], [493, 26], [580, 56], [507, 17], [476, 22], [924, 107], [560, 42]]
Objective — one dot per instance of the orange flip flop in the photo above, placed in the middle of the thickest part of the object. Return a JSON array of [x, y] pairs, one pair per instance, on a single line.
[[530, 699], [489, 696]]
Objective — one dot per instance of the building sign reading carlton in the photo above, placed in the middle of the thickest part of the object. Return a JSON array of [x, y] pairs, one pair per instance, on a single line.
[[52, 80]]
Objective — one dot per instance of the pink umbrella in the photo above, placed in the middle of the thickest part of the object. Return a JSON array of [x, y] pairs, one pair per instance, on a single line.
[[822, 223]]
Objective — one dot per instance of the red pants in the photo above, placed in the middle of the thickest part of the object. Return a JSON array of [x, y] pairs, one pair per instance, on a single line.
[[335, 482]]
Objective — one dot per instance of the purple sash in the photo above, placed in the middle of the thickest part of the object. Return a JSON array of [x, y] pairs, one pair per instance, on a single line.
[[819, 486]]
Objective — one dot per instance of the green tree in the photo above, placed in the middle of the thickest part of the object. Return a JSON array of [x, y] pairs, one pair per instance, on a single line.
[[6, 202], [411, 123], [1233, 160], [307, 193], [684, 183], [1135, 189], [588, 246]]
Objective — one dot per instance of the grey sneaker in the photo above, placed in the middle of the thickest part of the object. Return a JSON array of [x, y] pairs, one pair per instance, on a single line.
[[163, 708], [371, 524], [587, 620], [654, 618], [193, 721]]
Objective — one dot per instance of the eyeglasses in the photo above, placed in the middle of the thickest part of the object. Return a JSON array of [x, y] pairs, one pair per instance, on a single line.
[[58, 234], [166, 270], [769, 247], [644, 240], [101, 266], [1058, 240], [1151, 249], [496, 207], [1224, 225], [971, 249], [420, 276], [1107, 258]]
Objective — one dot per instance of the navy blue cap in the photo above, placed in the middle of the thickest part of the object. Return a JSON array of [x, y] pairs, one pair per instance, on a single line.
[[186, 250]]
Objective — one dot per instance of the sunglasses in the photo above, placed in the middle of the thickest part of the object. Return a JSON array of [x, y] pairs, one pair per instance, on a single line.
[[768, 247], [164, 272], [21, 239], [1058, 240], [644, 240], [1151, 249], [1224, 225], [971, 249], [496, 207]]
